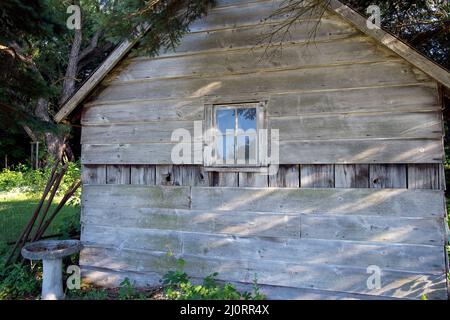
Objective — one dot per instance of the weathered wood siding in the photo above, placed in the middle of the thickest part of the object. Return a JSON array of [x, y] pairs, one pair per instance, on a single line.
[[301, 238], [342, 99], [375, 176], [360, 181], [349, 221]]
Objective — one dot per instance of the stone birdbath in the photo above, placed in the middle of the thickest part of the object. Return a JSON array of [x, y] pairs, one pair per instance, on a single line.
[[51, 253]]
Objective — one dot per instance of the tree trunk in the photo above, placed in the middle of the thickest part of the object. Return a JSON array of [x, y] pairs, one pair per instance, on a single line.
[[72, 68], [55, 143]]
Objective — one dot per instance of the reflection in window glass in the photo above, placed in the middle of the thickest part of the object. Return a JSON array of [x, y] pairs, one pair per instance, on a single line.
[[225, 148], [237, 139], [226, 123], [226, 120], [246, 140], [246, 118]]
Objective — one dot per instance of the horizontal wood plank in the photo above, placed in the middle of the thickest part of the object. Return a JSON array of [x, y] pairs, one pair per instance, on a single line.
[[206, 221], [251, 36], [113, 279], [361, 126], [144, 111], [151, 132], [376, 202], [416, 98], [388, 99], [154, 153], [240, 14], [347, 51], [137, 196], [393, 202], [382, 229], [412, 258], [374, 229], [411, 125], [339, 77], [361, 151], [335, 278]]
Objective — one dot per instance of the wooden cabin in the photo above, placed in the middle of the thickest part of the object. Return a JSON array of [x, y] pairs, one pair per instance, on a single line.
[[359, 190]]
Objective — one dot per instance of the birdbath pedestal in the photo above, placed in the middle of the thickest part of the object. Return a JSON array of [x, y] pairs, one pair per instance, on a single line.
[[51, 253]]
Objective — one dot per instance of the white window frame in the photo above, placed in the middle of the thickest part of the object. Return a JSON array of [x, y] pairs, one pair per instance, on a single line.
[[261, 123]]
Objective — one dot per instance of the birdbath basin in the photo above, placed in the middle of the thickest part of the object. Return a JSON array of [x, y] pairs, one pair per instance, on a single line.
[[51, 253]]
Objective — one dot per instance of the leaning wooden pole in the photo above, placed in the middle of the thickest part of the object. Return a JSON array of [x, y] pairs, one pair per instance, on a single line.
[[63, 201], [26, 232], [51, 197]]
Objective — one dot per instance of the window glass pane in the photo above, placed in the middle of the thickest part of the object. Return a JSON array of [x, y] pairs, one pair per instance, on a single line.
[[246, 140], [225, 149], [241, 149], [246, 148], [225, 120], [246, 118]]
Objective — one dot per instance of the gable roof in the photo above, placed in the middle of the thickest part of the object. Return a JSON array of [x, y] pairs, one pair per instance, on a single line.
[[357, 20]]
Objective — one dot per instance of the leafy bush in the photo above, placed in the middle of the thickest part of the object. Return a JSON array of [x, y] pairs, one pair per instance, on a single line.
[[178, 286], [128, 292], [20, 281], [88, 293], [26, 179], [10, 180], [70, 226]]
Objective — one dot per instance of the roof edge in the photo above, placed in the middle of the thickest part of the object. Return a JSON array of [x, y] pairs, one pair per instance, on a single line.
[[393, 43], [399, 47], [113, 59]]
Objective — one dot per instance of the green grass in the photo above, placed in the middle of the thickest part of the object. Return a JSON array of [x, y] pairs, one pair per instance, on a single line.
[[17, 208]]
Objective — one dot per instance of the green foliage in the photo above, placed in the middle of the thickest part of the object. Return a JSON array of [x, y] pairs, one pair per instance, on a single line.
[[21, 83], [88, 293], [17, 208], [73, 173], [25, 17], [128, 292], [10, 180], [423, 23], [167, 20], [4, 249], [19, 281], [33, 181], [70, 226], [95, 294], [37, 44], [178, 286], [21, 190]]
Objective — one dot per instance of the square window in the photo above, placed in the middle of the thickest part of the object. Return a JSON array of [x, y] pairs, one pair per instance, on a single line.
[[235, 134]]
